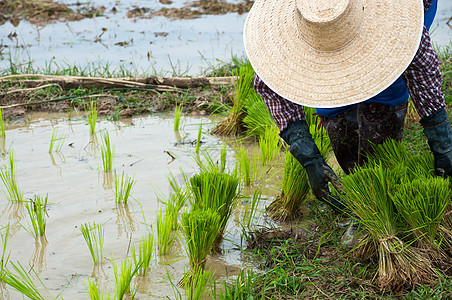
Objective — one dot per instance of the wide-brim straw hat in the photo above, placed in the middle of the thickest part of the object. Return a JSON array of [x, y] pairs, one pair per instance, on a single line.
[[331, 53]]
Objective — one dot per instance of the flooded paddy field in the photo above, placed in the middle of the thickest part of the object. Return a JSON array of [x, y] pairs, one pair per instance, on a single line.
[[79, 191], [163, 37]]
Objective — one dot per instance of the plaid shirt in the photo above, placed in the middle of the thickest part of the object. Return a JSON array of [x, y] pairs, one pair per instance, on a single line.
[[422, 78]]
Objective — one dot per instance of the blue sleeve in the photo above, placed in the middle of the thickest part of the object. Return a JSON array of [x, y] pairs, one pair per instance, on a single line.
[[430, 14]]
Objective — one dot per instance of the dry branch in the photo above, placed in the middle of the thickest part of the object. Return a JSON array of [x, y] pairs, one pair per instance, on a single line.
[[70, 82]]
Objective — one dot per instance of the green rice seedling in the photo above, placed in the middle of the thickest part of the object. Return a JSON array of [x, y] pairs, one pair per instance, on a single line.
[[107, 153], [22, 281], [294, 191], [198, 140], [177, 117], [240, 288], [258, 118], [94, 237], [165, 235], [270, 144], [144, 255], [37, 212], [208, 164], [244, 166], [200, 229], [243, 85], [56, 141], [5, 258], [251, 212], [123, 188], [199, 284], [367, 192], [91, 116], [2, 125], [123, 278], [422, 203], [217, 192], [8, 177], [97, 294]]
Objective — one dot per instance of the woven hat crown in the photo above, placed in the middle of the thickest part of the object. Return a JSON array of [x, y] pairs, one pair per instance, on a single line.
[[329, 25]]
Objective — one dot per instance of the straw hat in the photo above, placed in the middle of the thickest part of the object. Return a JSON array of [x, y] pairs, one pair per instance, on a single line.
[[330, 53]]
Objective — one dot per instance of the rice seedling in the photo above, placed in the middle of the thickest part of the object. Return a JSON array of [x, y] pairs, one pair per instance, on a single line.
[[270, 144], [2, 125], [107, 153], [22, 282], [244, 166], [208, 164], [422, 203], [5, 258], [200, 229], [367, 194], [95, 293], [165, 235], [37, 211], [123, 278], [144, 255], [8, 177], [198, 140], [214, 191], [177, 117], [56, 141], [199, 285], [123, 188], [251, 212], [258, 118], [94, 237], [91, 116], [243, 84]]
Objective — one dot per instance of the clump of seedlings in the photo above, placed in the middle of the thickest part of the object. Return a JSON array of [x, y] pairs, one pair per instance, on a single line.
[[22, 282], [166, 236], [8, 177], [2, 125], [94, 237], [270, 144], [56, 141], [123, 187], [91, 116], [95, 293], [4, 258], [107, 153], [198, 140], [123, 278], [200, 229], [144, 255], [258, 118], [216, 192], [177, 117], [37, 211]]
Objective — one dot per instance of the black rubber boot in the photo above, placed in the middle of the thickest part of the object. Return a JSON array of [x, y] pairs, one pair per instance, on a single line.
[[344, 136], [377, 123], [439, 135], [304, 149]]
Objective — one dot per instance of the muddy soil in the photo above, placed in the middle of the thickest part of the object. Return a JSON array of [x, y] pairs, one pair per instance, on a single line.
[[45, 12]]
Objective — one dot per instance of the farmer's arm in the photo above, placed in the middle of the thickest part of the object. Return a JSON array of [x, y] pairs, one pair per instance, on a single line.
[[423, 80]]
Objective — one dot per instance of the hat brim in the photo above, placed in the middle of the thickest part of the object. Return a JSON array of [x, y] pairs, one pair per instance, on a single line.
[[386, 44]]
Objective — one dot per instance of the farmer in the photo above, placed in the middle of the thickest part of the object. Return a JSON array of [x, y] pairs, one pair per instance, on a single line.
[[357, 62]]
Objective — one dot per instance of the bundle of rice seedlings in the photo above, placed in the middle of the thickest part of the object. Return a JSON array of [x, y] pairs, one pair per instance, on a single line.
[[294, 191], [200, 229], [217, 192], [422, 203], [207, 163], [367, 194], [243, 84], [199, 285], [270, 144], [257, 118], [165, 235], [97, 293], [144, 255], [37, 212], [123, 278]]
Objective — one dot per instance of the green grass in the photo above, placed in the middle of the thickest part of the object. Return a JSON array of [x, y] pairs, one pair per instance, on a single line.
[[37, 212], [56, 141], [123, 187], [94, 237], [8, 177], [107, 152], [165, 234], [144, 255]]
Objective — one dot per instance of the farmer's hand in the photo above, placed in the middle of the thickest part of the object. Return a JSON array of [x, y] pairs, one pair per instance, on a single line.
[[304, 149], [439, 135]]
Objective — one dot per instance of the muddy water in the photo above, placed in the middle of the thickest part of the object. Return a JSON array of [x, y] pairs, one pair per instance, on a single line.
[[158, 44], [79, 192]]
